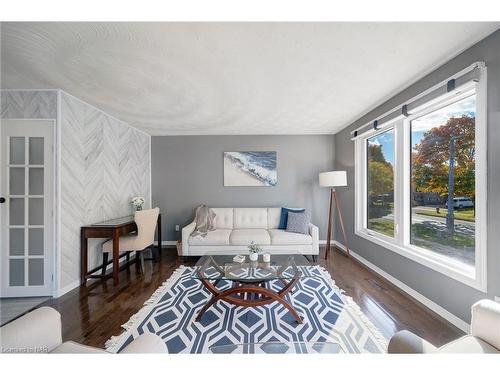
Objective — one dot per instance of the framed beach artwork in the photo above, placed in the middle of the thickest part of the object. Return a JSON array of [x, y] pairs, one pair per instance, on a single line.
[[250, 168]]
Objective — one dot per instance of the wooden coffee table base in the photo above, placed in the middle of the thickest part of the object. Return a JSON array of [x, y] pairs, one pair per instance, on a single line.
[[250, 294]]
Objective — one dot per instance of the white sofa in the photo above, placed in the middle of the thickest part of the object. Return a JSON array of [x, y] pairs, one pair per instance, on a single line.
[[39, 331], [236, 228], [484, 335]]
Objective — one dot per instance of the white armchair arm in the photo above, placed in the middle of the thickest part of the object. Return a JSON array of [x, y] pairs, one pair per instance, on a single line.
[[485, 323], [405, 342], [186, 232], [146, 343], [314, 232], [37, 331]]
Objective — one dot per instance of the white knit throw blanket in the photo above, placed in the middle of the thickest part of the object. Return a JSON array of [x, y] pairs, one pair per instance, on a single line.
[[204, 221]]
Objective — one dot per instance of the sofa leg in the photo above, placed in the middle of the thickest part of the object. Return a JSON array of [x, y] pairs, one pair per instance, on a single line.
[[315, 258]]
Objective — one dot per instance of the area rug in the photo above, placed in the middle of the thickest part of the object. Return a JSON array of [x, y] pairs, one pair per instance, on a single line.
[[329, 316]]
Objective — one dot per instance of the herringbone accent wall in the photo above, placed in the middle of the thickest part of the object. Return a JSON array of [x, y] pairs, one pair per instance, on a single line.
[[104, 163], [28, 104]]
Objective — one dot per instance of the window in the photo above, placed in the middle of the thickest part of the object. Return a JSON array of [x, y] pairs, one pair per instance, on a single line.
[[380, 183], [421, 184], [442, 168]]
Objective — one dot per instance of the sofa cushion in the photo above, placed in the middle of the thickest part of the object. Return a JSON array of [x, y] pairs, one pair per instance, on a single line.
[[250, 218], [298, 222], [273, 217], [216, 237], [281, 237], [246, 236], [284, 215], [223, 218]]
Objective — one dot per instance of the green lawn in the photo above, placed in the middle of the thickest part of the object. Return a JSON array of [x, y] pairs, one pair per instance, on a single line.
[[381, 225], [466, 214], [420, 231]]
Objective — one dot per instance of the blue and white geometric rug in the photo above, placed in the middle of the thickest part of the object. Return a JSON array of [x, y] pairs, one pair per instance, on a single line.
[[328, 316]]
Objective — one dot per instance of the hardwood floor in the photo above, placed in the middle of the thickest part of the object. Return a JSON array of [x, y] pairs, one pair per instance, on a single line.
[[92, 314]]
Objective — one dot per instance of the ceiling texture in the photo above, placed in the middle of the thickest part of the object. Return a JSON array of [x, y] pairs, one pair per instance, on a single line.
[[230, 78]]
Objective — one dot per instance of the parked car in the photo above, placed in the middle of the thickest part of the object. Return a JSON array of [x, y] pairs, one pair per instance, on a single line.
[[461, 202]]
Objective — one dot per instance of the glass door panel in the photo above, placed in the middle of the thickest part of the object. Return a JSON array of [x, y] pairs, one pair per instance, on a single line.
[[28, 192]]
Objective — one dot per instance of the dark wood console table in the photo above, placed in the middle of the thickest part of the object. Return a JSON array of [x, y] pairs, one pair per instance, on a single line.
[[108, 229]]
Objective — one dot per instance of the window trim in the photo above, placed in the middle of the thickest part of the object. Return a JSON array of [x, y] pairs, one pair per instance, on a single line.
[[475, 277]]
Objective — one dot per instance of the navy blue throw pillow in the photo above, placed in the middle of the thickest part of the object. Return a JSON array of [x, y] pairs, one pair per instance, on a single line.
[[284, 216]]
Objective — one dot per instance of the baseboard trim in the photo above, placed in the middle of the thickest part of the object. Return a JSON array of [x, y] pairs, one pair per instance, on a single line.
[[68, 288], [441, 311], [166, 243]]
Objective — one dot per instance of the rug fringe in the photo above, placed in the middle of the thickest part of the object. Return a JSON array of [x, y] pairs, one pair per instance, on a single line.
[[112, 343], [355, 307]]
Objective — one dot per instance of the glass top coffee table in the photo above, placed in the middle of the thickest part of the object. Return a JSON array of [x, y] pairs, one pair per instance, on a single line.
[[250, 280]]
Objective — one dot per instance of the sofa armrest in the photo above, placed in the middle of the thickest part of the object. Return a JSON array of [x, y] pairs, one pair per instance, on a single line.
[[37, 331], [146, 343], [314, 232], [405, 342], [485, 323], [186, 232]]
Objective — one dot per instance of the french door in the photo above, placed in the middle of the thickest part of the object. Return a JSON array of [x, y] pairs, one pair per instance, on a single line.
[[27, 196]]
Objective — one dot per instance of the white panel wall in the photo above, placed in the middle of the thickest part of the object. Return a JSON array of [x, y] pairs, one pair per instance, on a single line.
[[104, 162], [28, 104]]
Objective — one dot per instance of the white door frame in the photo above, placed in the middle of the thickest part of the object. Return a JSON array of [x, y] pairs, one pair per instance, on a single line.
[[47, 129]]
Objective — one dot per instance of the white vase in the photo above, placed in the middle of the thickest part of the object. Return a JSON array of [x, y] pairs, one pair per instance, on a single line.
[[266, 257], [253, 257]]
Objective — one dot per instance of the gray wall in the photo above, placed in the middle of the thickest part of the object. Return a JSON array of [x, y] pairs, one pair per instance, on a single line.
[[450, 294], [188, 171]]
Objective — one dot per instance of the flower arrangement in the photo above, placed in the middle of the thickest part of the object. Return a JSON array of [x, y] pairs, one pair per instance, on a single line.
[[137, 202], [253, 248]]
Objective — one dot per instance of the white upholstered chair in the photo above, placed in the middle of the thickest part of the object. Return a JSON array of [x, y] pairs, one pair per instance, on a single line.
[[484, 335], [39, 331], [138, 242]]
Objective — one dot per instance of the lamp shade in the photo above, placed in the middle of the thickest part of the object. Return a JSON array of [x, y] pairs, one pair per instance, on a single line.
[[333, 178]]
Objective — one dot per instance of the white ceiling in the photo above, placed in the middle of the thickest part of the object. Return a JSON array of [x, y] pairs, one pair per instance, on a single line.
[[230, 78]]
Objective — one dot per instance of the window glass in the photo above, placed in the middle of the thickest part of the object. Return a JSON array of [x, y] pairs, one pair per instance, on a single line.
[[380, 183], [443, 180]]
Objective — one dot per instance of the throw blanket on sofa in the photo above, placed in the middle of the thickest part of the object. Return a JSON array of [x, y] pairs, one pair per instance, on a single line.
[[204, 219]]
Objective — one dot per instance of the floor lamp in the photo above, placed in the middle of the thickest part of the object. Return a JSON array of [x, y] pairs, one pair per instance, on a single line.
[[332, 180]]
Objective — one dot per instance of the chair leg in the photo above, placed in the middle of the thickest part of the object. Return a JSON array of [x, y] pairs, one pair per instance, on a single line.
[[128, 256], [105, 257], [137, 260], [140, 258], [155, 254]]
